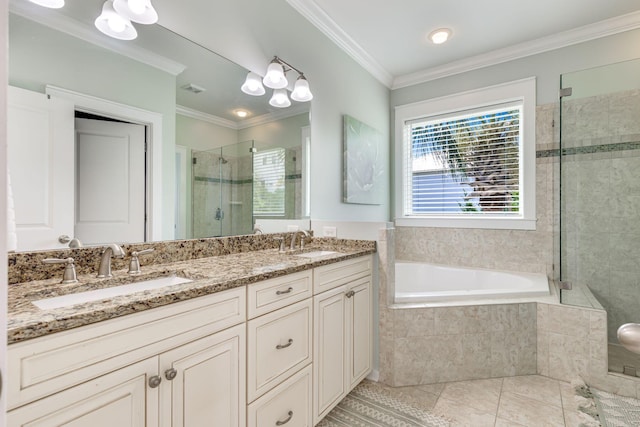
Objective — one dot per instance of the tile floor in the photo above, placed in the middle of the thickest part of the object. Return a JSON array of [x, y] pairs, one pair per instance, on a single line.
[[530, 400]]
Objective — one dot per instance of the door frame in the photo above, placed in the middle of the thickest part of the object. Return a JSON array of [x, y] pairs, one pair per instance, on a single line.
[[153, 123]]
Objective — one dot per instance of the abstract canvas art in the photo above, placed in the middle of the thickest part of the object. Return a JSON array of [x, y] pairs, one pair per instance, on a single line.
[[363, 163]]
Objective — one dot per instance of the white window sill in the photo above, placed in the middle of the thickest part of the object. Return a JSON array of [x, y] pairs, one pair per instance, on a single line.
[[457, 222]]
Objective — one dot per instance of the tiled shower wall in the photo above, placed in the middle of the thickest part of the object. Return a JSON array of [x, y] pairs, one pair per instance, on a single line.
[[601, 201]]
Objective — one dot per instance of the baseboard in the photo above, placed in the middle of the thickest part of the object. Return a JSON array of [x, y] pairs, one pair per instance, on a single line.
[[374, 375]]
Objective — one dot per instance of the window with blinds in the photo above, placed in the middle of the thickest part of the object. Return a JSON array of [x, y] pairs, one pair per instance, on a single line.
[[464, 164], [269, 182]]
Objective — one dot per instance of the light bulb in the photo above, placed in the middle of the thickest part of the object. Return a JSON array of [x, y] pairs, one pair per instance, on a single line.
[[275, 78], [301, 91], [116, 24], [137, 6], [140, 11], [253, 85], [280, 99]]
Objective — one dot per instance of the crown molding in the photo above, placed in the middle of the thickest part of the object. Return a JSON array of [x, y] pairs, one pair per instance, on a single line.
[[58, 21], [608, 27], [283, 113], [209, 118], [243, 124], [319, 18]]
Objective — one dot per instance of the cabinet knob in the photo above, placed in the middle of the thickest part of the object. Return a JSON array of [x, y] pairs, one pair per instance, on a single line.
[[155, 381], [170, 374], [283, 422], [284, 292], [281, 346], [350, 294]]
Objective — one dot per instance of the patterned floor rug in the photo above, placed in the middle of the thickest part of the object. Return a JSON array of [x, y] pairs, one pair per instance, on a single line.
[[368, 406], [616, 411]]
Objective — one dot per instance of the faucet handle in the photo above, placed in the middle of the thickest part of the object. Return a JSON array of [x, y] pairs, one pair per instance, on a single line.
[[281, 240], [69, 275], [134, 264]]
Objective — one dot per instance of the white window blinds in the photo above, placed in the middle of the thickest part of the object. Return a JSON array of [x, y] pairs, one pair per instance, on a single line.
[[269, 182], [464, 163]]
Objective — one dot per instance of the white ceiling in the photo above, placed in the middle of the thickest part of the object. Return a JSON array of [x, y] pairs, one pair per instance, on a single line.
[[390, 37]]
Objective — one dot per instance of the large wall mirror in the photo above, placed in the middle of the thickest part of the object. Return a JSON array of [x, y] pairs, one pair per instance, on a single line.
[[206, 171]]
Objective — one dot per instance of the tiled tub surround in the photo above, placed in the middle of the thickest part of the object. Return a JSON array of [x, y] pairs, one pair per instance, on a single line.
[[213, 264]]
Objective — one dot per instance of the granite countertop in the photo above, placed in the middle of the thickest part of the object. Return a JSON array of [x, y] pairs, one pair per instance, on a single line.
[[209, 275]]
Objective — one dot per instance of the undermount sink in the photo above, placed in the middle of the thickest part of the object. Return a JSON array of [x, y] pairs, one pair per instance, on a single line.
[[106, 293], [316, 254]]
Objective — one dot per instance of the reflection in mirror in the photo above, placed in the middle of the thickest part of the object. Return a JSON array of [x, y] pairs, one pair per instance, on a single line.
[[186, 98]]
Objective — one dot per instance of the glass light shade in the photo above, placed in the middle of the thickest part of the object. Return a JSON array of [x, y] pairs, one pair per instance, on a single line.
[[253, 85], [275, 78], [140, 11], [114, 25], [301, 91], [53, 4], [280, 99]]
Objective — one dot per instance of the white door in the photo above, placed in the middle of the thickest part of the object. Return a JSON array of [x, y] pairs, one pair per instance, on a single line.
[[329, 362], [110, 182], [121, 398], [204, 382], [359, 322], [40, 159]]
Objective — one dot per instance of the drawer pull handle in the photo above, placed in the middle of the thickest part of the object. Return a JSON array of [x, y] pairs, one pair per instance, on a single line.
[[284, 292], [281, 423], [170, 374], [155, 381], [350, 294], [281, 346]]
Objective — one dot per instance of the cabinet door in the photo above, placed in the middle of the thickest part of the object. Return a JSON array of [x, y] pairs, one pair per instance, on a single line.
[[121, 398], [329, 367], [209, 386], [359, 338]]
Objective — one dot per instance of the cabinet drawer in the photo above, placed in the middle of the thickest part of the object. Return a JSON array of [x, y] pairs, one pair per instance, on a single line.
[[45, 365], [279, 344], [333, 275], [290, 401], [269, 295]]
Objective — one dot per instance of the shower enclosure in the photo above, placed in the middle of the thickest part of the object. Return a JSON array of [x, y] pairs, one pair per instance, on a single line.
[[222, 191], [600, 196]]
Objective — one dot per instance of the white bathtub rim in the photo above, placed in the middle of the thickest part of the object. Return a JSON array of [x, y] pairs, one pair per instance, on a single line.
[[552, 298]]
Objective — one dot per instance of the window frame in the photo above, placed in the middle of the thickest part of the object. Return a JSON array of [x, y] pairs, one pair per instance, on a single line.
[[523, 91]]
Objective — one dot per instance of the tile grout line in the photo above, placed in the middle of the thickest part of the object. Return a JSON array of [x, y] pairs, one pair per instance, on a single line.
[[495, 421]]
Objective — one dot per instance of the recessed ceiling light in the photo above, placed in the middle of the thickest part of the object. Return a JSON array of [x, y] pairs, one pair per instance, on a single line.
[[440, 35], [241, 113]]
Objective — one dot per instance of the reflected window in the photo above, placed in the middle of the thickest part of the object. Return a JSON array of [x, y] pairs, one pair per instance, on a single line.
[[269, 183]]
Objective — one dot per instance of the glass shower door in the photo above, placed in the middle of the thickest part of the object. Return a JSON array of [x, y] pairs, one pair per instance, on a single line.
[[600, 197]]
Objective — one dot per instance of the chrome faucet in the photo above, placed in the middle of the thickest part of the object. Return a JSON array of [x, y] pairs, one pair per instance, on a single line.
[[104, 270], [293, 239]]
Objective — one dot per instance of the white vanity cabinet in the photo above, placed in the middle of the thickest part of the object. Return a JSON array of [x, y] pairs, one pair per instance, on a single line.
[[280, 352], [180, 364], [342, 305]]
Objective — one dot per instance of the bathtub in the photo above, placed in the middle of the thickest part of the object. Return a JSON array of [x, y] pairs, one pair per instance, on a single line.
[[420, 283]]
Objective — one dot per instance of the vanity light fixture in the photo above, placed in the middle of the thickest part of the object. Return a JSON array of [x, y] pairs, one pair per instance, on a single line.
[[53, 4], [140, 11], [114, 25], [440, 35], [276, 79]]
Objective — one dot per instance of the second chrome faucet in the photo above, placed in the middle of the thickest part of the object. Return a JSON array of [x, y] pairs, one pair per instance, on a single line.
[[104, 270]]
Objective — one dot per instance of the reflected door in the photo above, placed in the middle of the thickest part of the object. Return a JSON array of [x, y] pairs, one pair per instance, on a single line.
[[40, 158], [110, 184]]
